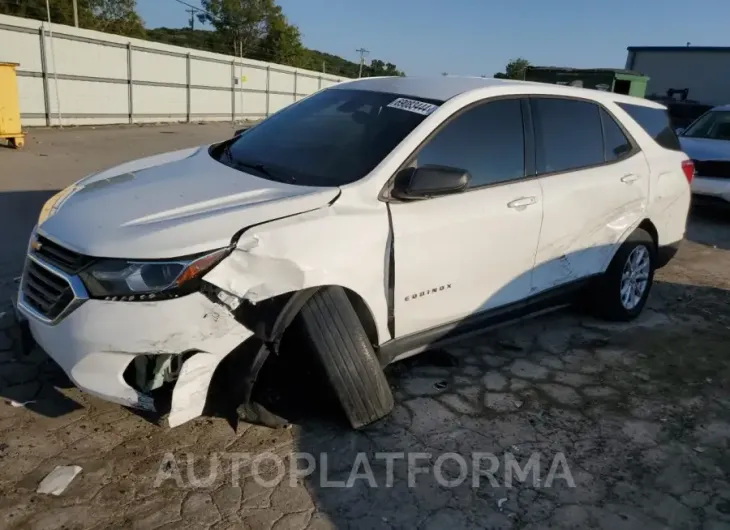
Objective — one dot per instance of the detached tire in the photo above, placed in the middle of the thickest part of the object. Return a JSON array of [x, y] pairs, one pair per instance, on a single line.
[[347, 356], [625, 287]]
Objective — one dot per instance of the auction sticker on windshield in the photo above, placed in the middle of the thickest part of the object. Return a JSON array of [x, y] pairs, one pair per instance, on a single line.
[[412, 105]]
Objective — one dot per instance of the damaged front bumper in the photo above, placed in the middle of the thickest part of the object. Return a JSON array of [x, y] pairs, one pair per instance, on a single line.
[[98, 340]]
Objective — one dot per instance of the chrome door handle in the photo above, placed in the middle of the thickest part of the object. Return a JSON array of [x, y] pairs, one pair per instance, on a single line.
[[522, 202], [628, 179]]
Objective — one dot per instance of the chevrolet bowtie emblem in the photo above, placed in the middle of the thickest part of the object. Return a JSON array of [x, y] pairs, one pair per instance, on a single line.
[[36, 245]]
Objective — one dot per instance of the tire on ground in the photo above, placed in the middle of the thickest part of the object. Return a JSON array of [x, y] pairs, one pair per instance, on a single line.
[[347, 357], [607, 297]]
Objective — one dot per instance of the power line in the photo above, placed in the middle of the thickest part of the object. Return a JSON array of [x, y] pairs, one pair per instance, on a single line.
[[362, 52], [196, 9], [191, 6]]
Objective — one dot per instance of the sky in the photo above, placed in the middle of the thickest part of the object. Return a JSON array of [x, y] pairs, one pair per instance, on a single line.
[[479, 37]]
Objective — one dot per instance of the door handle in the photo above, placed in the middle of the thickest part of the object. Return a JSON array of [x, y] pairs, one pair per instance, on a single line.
[[522, 202], [628, 179]]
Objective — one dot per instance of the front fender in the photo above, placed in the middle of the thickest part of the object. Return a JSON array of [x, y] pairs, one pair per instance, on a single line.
[[343, 246]]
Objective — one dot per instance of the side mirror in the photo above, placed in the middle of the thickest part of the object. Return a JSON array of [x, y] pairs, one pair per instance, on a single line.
[[429, 181], [679, 131]]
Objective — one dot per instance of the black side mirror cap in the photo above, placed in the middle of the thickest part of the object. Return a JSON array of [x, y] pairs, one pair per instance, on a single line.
[[429, 181]]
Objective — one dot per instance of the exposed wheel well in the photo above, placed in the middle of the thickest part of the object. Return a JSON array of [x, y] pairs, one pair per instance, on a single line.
[[365, 316], [647, 225], [270, 318]]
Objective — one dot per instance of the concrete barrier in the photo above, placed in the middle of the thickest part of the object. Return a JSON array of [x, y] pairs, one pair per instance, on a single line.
[[71, 76]]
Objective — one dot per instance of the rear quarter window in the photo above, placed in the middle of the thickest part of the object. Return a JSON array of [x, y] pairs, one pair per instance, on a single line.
[[656, 124]]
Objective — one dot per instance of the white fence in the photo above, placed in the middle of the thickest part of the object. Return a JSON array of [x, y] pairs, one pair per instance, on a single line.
[[98, 78]]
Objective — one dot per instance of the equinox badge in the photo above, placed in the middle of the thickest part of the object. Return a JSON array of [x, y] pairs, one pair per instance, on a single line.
[[427, 292]]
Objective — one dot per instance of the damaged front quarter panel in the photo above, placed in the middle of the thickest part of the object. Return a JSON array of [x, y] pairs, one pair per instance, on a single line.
[[254, 277], [276, 267], [336, 245], [242, 278]]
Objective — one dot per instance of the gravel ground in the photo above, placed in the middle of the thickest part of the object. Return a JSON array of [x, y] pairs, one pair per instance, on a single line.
[[627, 426]]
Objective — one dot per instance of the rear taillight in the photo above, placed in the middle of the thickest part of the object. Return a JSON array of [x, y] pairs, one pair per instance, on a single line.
[[688, 168]]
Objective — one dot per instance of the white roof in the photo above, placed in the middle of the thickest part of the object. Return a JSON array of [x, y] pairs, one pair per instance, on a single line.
[[443, 88], [437, 87]]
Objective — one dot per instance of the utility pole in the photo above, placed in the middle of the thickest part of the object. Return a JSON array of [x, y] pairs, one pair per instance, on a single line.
[[362, 52], [192, 11], [76, 13]]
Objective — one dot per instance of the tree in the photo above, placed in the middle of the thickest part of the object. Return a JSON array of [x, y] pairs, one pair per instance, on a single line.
[[198, 39], [380, 68], [258, 26], [332, 64], [112, 16], [515, 69], [61, 10], [243, 23], [117, 16], [391, 69], [282, 43]]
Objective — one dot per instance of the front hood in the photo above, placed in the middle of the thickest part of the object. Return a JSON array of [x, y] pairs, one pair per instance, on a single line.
[[171, 205], [705, 148]]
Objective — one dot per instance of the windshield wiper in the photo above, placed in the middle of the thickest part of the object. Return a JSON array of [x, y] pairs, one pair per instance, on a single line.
[[263, 169]]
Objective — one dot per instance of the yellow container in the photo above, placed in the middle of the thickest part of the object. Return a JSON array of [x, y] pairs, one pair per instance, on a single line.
[[9, 110]]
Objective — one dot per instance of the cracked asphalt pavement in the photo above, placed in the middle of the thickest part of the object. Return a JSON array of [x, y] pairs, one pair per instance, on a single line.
[[640, 411]]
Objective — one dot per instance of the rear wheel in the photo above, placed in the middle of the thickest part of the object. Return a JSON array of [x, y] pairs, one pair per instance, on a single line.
[[624, 288]]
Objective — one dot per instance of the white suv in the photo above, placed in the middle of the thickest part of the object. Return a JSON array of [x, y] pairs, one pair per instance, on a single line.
[[389, 215]]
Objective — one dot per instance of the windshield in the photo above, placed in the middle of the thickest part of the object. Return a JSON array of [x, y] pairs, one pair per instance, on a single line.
[[332, 138], [715, 125]]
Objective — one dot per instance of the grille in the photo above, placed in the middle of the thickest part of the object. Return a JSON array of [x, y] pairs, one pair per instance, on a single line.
[[44, 291], [712, 168], [63, 258]]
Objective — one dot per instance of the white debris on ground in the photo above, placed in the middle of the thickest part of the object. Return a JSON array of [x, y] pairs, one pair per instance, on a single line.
[[58, 480], [18, 404]]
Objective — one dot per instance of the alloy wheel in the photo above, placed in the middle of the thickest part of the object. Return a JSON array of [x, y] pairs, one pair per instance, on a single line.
[[635, 277]]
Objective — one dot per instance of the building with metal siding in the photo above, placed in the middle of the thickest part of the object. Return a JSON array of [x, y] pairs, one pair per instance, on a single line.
[[703, 70]]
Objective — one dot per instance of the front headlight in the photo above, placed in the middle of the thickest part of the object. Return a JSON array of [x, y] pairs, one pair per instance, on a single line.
[[116, 279]]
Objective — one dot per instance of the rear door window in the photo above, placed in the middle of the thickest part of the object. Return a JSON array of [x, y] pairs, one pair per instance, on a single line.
[[568, 134], [656, 124]]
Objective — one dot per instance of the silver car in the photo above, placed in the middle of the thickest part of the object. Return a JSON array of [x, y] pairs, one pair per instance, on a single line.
[[707, 142]]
